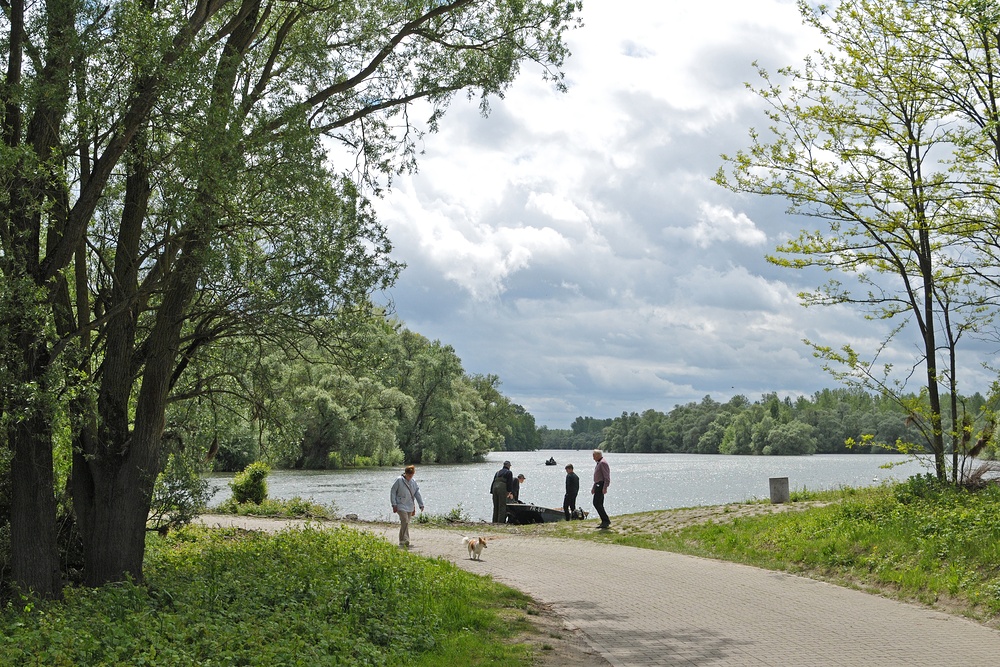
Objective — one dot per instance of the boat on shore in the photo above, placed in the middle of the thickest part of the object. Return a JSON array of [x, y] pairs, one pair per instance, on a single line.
[[524, 513]]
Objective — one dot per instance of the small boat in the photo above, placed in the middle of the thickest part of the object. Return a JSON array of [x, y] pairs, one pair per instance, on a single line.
[[523, 513], [551, 461]]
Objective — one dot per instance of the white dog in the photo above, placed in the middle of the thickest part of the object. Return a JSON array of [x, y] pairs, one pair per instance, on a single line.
[[475, 545]]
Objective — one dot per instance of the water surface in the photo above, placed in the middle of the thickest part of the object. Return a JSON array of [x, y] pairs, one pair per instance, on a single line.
[[639, 482]]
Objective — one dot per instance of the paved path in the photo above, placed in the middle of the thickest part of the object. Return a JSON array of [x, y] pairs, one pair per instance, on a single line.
[[644, 608]]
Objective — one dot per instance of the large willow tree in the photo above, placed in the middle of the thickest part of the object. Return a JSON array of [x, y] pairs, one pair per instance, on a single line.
[[166, 189], [887, 138]]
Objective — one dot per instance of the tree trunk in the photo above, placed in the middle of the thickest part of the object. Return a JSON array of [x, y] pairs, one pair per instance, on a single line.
[[112, 500], [33, 548]]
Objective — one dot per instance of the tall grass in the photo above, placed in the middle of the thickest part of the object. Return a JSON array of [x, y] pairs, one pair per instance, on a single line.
[[299, 597]]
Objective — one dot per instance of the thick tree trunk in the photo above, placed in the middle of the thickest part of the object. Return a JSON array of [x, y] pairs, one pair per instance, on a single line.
[[33, 547], [112, 504]]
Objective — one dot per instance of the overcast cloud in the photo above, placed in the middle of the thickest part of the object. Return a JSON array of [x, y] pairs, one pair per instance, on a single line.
[[574, 245]]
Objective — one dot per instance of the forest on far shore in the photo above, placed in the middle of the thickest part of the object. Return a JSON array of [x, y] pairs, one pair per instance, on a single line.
[[831, 421]]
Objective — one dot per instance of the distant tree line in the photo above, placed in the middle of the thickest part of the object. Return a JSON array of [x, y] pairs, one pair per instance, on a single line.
[[831, 421]]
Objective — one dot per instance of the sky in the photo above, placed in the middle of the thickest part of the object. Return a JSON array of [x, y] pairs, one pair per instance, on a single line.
[[574, 244]]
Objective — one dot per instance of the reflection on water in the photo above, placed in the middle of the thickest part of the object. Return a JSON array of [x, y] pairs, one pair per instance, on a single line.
[[639, 482]]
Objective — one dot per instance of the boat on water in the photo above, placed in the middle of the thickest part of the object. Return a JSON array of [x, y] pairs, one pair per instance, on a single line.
[[523, 513], [551, 461]]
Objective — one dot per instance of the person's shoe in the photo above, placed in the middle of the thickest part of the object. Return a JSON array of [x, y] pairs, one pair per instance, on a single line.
[[604, 526]]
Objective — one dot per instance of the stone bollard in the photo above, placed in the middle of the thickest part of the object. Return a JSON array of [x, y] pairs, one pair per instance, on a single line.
[[779, 490]]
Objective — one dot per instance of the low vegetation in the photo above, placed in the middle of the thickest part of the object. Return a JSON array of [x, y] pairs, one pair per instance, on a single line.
[[310, 597], [292, 508]]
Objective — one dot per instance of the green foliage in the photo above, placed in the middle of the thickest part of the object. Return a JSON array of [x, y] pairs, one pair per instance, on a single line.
[[292, 508], [179, 495], [310, 597], [456, 514], [832, 421], [250, 485], [214, 227], [884, 137], [451, 418]]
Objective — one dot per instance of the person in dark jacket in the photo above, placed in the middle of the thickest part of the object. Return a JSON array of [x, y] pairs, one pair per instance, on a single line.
[[602, 480], [502, 488], [517, 488], [572, 488]]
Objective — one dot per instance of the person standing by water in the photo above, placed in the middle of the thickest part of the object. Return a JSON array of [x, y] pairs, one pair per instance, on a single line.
[[517, 488], [502, 488], [572, 489], [404, 494], [602, 480]]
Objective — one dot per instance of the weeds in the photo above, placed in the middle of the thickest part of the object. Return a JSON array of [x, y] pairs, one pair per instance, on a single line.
[[298, 597]]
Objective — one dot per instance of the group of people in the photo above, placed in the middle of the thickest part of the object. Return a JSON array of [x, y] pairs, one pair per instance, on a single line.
[[505, 487], [405, 494]]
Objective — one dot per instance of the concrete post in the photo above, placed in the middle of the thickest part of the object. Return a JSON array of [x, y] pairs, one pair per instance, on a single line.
[[779, 490]]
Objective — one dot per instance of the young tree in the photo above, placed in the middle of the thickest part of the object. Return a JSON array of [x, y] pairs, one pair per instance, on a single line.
[[860, 143], [166, 188]]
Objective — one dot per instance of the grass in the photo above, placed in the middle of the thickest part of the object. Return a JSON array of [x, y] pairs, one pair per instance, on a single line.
[[298, 597]]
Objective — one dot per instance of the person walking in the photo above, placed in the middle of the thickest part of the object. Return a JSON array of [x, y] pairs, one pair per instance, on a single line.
[[602, 480], [572, 489], [403, 496], [517, 488], [502, 488]]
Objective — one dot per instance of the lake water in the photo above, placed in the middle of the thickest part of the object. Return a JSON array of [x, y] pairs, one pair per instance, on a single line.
[[639, 482]]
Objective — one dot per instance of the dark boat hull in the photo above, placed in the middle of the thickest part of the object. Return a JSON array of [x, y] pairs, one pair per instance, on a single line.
[[524, 513]]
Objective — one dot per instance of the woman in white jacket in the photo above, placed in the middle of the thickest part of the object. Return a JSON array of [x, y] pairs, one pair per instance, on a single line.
[[404, 495]]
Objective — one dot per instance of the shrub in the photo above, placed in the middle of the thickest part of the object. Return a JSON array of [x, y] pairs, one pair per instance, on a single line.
[[250, 486], [296, 508], [179, 495]]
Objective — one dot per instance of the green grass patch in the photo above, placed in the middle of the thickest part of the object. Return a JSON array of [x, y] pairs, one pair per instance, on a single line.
[[299, 597]]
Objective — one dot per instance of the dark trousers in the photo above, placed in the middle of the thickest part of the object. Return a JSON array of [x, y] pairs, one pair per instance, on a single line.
[[599, 503], [499, 503], [569, 505]]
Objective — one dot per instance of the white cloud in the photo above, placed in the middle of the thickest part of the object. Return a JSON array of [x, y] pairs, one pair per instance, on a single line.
[[555, 207], [575, 245], [718, 224]]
